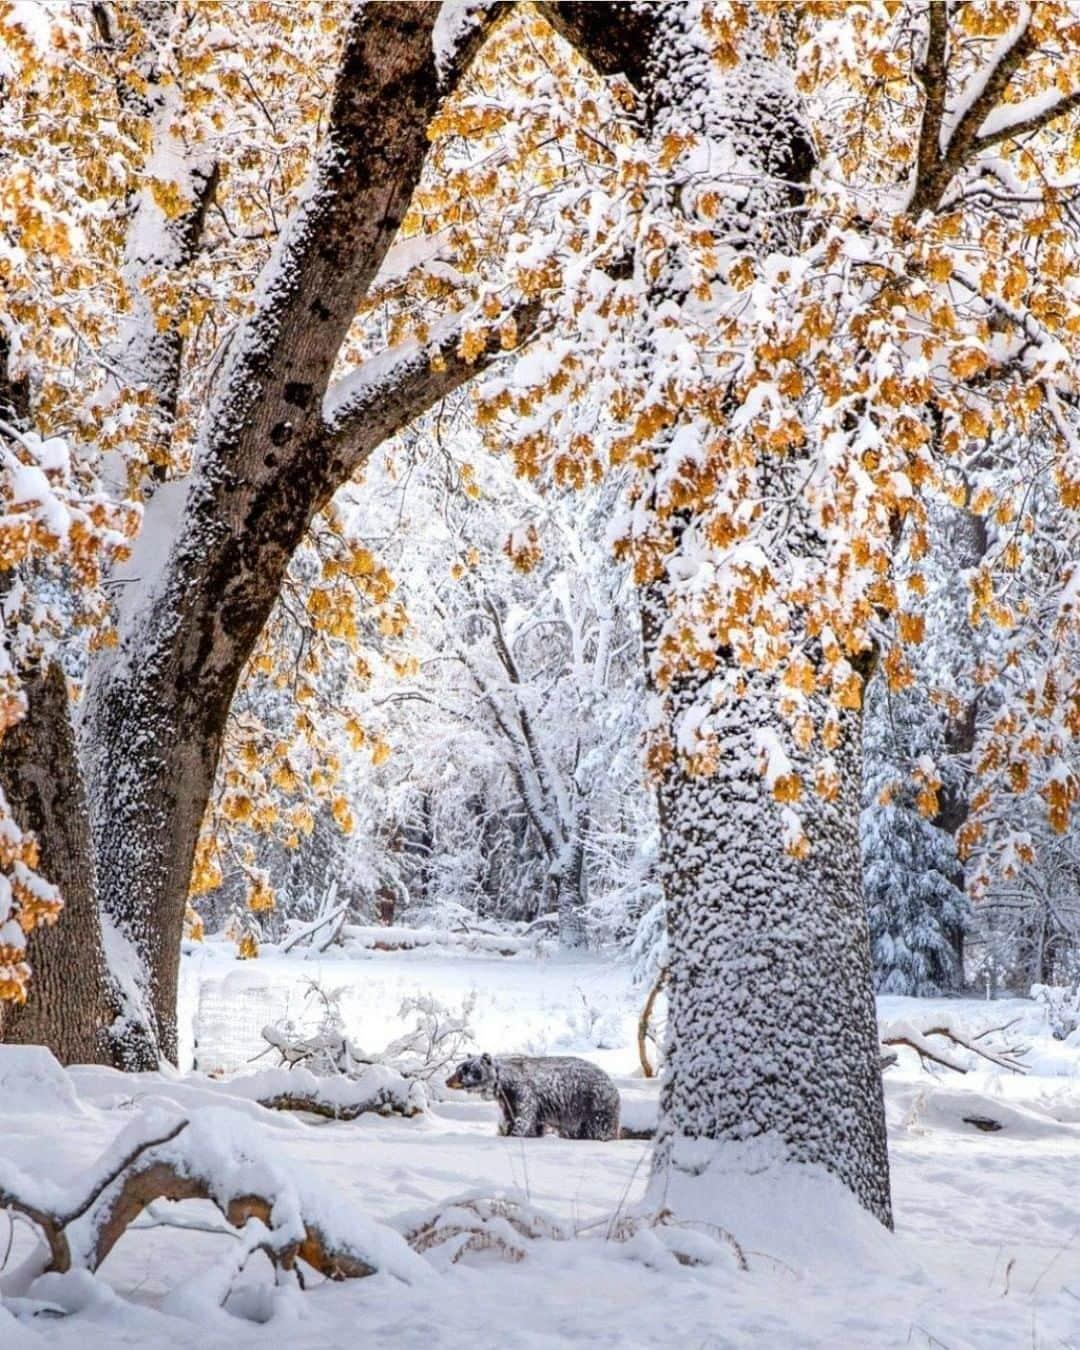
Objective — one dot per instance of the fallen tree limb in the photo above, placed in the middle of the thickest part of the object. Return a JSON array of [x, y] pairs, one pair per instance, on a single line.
[[216, 1156], [377, 1088], [904, 1033], [316, 1106]]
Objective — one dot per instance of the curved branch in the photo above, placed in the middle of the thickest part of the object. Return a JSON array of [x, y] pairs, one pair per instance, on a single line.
[[179, 1166], [392, 389], [1023, 125], [644, 1020]]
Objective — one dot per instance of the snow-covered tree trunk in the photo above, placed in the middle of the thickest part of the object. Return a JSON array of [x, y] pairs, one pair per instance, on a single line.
[[213, 550], [72, 1003], [968, 544], [570, 893], [771, 1024]]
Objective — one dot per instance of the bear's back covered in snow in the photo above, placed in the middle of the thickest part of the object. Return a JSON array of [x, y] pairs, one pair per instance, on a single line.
[[536, 1093]]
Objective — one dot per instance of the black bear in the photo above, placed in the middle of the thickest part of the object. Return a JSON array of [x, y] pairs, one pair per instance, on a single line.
[[568, 1096]]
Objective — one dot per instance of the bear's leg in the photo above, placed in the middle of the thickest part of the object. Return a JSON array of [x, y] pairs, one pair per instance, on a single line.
[[525, 1125], [523, 1112]]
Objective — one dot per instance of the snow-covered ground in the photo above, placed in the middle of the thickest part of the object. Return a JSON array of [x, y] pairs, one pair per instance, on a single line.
[[986, 1253]]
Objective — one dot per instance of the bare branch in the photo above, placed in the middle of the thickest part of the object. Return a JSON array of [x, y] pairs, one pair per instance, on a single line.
[[1024, 125]]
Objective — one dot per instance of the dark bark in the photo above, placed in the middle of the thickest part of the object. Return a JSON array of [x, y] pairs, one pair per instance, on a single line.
[[615, 38], [156, 712], [14, 391], [72, 1001]]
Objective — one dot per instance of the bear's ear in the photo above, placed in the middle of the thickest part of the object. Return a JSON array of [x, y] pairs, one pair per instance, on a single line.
[[486, 1058]]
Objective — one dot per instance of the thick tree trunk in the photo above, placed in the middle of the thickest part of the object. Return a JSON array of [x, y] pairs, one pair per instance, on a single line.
[[156, 710], [771, 1021], [772, 1028], [73, 1003]]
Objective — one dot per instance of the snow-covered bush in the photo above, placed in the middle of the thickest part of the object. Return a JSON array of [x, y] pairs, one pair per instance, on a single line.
[[420, 1058], [1062, 1004]]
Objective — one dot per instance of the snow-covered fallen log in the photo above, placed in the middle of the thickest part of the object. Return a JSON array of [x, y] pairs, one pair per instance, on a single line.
[[215, 1155], [395, 938], [377, 1088], [398, 1080]]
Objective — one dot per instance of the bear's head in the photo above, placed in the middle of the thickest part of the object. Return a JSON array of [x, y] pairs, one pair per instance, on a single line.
[[474, 1075]]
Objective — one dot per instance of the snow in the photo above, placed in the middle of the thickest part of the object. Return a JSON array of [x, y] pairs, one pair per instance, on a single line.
[[454, 21], [985, 1254], [522, 1004]]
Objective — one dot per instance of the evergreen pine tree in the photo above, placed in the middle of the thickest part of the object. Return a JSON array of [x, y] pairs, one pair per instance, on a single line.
[[916, 911]]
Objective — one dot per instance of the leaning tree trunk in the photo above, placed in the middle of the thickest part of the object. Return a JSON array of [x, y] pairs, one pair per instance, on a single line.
[[72, 1005], [156, 708], [772, 1024]]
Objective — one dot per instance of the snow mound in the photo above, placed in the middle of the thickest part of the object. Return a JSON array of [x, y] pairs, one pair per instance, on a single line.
[[794, 1215], [961, 1110], [31, 1079]]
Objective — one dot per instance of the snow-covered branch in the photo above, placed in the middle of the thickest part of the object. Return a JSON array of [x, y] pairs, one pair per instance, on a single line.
[[392, 389], [215, 1155]]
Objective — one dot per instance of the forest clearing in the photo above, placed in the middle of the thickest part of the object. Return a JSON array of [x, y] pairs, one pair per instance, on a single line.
[[539, 672], [985, 1252]]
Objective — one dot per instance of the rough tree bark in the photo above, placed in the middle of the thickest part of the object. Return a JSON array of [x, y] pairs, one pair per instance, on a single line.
[[198, 592], [771, 1027], [156, 711], [72, 1005], [69, 1010]]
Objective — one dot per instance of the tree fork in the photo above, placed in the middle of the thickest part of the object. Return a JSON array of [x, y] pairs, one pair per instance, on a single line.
[[156, 708]]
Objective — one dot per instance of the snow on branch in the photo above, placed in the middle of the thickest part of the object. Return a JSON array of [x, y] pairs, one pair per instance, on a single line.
[[378, 1088], [459, 30], [215, 1155], [954, 1049], [329, 1075], [394, 387]]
